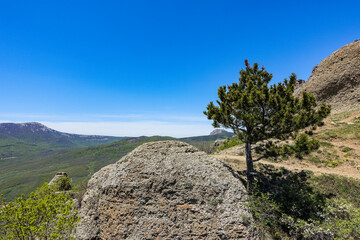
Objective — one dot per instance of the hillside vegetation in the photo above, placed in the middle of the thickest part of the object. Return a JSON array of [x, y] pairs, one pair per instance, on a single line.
[[27, 139], [314, 196], [22, 175], [31, 153]]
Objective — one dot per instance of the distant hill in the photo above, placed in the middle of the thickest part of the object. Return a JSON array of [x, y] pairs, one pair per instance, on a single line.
[[218, 131], [214, 135], [27, 139], [36, 132]]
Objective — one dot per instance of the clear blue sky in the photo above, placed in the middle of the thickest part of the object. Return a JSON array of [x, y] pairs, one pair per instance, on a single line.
[[151, 67]]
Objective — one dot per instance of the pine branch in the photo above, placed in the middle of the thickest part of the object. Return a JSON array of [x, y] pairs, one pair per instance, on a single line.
[[258, 159]]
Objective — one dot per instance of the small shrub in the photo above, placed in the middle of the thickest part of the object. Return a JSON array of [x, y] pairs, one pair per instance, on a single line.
[[286, 150], [357, 120], [326, 144], [230, 142], [315, 159], [304, 145], [63, 184], [265, 212], [320, 124], [333, 164], [347, 149]]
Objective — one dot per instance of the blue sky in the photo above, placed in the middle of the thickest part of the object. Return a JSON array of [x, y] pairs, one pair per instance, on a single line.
[[130, 68]]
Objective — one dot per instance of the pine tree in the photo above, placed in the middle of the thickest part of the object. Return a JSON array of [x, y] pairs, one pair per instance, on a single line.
[[256, 111]]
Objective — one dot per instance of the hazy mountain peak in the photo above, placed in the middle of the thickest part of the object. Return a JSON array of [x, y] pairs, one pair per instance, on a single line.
[[13, 128], [218, 131]]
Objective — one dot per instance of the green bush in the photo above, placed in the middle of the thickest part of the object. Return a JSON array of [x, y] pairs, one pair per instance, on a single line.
[[230, 142], [63, 184], [342, 220], [265, 212], [287, 205], [46, 214], [305, 145], [347, 149]]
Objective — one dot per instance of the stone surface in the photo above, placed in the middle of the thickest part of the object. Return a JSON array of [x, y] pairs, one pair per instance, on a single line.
[[336, 79], [56, 181], [165, 190]]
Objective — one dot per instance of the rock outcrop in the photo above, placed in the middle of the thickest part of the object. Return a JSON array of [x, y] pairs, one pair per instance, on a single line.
[[165, 190], [61, 180], [336, 80]]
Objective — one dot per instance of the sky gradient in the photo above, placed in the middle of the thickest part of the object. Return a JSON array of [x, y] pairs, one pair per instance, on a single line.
[[131, 68]]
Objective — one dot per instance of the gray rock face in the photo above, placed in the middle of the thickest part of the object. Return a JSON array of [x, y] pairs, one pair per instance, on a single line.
[[336, 80], [57, 181], [165, 190]]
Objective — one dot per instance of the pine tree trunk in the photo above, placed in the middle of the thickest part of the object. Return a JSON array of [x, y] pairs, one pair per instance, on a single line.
[[249, 164]]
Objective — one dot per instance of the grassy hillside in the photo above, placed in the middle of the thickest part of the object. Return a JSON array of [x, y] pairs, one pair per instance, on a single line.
[[31, 154], [22, 175], [207, 138], [204, 142]]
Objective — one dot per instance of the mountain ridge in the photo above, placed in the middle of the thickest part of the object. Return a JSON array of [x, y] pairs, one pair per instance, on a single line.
[[35, 131]]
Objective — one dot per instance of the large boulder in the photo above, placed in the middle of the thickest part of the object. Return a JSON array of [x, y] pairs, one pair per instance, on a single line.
[[336, 79], [165, 190]]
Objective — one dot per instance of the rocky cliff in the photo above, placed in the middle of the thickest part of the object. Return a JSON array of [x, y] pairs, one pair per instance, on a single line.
[[165, 190], [336, 79]]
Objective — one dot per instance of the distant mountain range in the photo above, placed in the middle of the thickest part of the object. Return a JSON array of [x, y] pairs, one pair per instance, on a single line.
[[31, 153]]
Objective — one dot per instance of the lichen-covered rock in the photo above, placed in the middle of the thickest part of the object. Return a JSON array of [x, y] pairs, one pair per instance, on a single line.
[[61, 181], [165, 190], [336, 80]]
